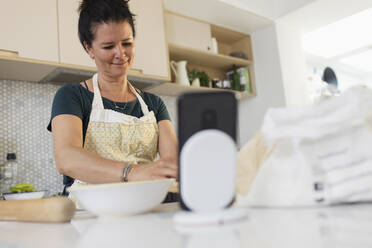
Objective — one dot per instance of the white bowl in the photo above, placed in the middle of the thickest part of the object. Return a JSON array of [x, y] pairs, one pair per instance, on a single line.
[[121, 199], [24, 195]]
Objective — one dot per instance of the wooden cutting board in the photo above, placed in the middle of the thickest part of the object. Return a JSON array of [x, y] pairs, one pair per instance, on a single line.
[[53, 209]]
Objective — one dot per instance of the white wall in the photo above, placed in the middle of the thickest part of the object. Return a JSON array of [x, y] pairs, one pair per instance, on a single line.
[[292, 61], [269, 83], [290, 29]]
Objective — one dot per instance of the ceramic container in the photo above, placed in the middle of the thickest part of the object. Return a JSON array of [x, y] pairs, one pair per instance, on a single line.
[[121, 199]]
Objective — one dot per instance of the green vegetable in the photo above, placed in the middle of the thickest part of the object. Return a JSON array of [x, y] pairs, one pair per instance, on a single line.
[[22, 187]]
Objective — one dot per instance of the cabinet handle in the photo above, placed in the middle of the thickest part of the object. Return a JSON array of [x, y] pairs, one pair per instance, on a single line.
[[9, 53]]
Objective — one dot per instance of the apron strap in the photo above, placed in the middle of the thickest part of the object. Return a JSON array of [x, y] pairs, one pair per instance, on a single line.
[[144, 108], [97, 100]]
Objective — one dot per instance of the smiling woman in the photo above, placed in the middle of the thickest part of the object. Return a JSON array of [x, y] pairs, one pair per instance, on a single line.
[[113, 48], [105, 130]]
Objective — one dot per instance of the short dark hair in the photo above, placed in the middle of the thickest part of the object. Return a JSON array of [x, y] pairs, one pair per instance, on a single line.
[[93, 12]]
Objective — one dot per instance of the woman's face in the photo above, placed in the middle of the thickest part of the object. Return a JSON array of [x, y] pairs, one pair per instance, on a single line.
[[113, 48]]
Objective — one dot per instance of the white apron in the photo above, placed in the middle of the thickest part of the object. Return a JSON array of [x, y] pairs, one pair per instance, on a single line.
[[118, 136]]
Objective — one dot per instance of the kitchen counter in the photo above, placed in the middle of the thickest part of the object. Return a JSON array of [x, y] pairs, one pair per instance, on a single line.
[[341, 226]]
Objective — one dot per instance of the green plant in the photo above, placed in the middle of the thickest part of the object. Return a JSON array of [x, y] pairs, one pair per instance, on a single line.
[[194, 73], [204, 79], [202, 75]]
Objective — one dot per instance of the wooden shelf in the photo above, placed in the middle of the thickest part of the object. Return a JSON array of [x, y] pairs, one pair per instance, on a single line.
[[173, 89], [15, 68], [204, 58], [24, 69]]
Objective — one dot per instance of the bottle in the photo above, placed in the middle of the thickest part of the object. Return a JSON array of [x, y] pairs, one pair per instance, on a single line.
[[2, 170], [214, 45], [215, 83], [10, 168], [235, 80]]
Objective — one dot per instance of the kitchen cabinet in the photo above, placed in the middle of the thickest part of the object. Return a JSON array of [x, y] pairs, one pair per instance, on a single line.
[[42, 44], [71, 50], [187, 32], [29, 29], [189, 39], [151, 46], [151, 59]]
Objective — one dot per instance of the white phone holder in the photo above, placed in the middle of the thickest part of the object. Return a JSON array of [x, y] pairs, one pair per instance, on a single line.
[[207, 180], [207, 171]]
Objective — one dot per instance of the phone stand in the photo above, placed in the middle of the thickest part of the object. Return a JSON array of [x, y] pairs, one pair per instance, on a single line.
[[207, 175], [207, 179], [187, 219]]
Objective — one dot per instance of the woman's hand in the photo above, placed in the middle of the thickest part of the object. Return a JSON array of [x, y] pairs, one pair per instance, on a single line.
[[159, 169]]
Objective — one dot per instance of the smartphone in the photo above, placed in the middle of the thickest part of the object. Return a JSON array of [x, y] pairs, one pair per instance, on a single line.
[[201, 111]]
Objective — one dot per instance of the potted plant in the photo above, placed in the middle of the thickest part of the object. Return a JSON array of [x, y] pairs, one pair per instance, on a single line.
[[198, 78], [204, 79]]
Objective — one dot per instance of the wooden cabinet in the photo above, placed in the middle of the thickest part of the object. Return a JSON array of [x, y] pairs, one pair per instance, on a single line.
[[151, 59], [29, 29], [41, 37], [187, 32], [71, 50], [151, 47], [190, 40], [40, 42]]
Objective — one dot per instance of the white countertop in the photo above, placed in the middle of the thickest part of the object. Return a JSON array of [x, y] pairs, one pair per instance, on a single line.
[[341, 226]]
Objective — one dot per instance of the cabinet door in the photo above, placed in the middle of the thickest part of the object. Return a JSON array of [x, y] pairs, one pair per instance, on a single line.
[[71, 51], [151, 49], [187, 32], [30, 28]]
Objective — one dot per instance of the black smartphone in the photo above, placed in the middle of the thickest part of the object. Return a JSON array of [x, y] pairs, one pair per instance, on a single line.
[[205, 110]]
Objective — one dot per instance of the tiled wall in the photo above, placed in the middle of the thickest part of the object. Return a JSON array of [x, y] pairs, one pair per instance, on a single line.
[[25, 111]]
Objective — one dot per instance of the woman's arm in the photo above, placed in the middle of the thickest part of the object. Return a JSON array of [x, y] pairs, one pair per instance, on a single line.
[[74, 161], [167, 165], [168, 143]]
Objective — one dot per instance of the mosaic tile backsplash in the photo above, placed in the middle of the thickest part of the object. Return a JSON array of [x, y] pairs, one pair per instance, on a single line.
[[25, 111]]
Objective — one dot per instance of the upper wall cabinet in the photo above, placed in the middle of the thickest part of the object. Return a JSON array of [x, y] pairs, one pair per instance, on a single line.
[[29, 29], [151, 46], [71, 51], [188, 32], [151, 59]]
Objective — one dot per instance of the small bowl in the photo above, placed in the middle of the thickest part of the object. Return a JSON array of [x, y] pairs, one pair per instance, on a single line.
[[121, 199], [25, 195]]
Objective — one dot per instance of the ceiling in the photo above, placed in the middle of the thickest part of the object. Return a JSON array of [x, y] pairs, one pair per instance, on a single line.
[[270, 9], [252, 15]]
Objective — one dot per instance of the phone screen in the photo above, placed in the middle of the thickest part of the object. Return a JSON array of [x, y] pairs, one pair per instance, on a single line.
[[200, 111]]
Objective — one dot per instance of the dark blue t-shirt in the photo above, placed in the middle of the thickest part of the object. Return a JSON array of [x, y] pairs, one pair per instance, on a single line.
[[76, 100]]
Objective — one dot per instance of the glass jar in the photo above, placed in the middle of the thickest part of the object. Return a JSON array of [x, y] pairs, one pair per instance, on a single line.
[[10, 169]]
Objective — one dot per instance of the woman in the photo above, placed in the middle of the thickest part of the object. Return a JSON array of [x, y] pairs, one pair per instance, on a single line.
[[105, 130]]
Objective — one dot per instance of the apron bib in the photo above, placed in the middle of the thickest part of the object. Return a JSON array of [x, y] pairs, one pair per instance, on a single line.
[[118, 136]]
